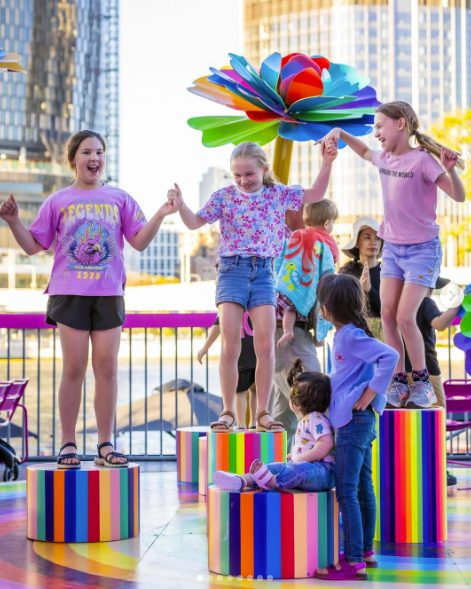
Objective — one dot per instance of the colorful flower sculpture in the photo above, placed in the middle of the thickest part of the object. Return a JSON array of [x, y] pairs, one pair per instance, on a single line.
[[9, 62], [298, 98]]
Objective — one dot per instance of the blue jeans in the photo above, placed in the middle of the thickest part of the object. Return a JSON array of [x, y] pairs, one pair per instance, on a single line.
[[308, 476], [246, 281], [354, 485]]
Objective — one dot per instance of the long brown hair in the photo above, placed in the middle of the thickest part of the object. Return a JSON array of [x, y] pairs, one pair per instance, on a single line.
[[344, 299], [73, 143], [403, 110]]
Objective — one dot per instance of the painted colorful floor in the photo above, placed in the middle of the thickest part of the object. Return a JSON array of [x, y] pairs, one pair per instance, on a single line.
[[171, 551]]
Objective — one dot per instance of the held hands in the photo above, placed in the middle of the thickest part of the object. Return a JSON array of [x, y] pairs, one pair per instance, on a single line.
[[365, 278], [448, 159], [9, 211], [332, 135], [329, 150], [175, 197], [168, 208], [366, 398]]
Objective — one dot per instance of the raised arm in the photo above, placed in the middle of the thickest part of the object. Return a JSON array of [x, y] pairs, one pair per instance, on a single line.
[[144, 237], [354, 143], [191, 219], [9, 212], [451, 182], [319, 188]]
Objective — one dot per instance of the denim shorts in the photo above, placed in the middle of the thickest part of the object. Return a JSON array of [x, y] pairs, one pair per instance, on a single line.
[[418, 263], [246, 281]]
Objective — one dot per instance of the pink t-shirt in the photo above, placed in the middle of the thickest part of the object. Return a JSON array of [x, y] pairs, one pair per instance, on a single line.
[[252, 224], [90, 225], [410, 195], [310, 428]]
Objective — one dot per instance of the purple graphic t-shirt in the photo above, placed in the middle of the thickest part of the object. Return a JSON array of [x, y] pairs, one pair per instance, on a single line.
[[90, 226]]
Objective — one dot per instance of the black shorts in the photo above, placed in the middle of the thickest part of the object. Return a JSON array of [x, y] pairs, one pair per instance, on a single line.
[[86, 313], [246, 380]]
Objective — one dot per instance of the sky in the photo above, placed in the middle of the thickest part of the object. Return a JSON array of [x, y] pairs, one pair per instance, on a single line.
[[164, 46]]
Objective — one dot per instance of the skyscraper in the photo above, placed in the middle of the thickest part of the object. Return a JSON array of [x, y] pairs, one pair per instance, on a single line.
[[413, 50], [69, 49]]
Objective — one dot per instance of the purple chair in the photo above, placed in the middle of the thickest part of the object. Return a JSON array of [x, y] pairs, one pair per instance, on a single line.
[[11, 393], [458, 400]]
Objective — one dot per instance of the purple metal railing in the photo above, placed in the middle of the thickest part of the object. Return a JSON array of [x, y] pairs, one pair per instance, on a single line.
[[22, 324]]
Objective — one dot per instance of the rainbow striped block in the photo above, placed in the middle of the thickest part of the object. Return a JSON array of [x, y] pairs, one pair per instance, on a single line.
[[203, 466], [188, 453], [285, 535], [235, 451], [409, 476], [92, 504]]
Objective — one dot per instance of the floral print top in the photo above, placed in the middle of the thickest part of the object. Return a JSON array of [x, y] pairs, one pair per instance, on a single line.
[[252, 224]]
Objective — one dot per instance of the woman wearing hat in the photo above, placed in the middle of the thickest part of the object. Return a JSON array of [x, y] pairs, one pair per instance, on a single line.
[[365, 248]]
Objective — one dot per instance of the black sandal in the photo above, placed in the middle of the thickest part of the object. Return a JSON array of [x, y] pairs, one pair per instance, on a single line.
[[100, 461], [62, 457]]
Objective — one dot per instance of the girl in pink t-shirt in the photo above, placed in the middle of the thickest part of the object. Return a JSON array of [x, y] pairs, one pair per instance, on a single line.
[[412, 251], [88, 220], [252, 217]]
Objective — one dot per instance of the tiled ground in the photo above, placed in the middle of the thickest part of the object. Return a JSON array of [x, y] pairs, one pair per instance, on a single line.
[[171, 551]]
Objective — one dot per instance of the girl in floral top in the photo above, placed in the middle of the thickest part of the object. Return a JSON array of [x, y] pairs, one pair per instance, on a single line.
[[251, 213]]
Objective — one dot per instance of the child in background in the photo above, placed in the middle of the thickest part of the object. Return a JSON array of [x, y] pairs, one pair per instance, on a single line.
[[90, 221], [362, 368], [311, 253], [251, 214], [311, 464], [246, 366], [412, 251]]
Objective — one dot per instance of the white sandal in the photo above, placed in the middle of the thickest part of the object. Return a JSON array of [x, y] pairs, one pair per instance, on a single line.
[[262, 476], [229, 481]]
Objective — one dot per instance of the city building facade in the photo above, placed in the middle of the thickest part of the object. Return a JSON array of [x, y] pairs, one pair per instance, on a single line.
[[69, 49], [162, 257], [413, 50]]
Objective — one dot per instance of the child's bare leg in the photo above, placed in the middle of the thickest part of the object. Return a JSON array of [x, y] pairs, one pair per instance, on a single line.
[[253, 405], [105, 347], [230, 318], [74, 344], [391, 291], [264, 323], [241, 409], [411, 299], [289, 318]]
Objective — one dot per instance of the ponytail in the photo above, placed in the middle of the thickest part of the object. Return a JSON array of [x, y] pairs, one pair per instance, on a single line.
[[402, 110]]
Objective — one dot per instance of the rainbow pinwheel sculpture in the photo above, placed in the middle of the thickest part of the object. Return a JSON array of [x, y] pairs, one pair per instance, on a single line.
[[292, 98], [9, 62]]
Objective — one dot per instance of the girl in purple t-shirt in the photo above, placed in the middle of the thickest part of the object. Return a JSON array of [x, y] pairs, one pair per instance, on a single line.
[[412, 251], [89, 221], [252, 216]]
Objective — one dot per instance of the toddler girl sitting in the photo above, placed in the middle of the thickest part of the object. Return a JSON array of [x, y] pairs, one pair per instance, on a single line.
[[311, 464]]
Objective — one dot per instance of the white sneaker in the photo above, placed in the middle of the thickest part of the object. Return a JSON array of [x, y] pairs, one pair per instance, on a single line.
[[422, 395], [397, 395]]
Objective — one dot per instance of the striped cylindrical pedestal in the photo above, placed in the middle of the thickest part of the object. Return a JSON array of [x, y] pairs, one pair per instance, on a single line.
[[90, 504], [409, 476], [188, 453], [285, 535], [203, 466], [235, 451]]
